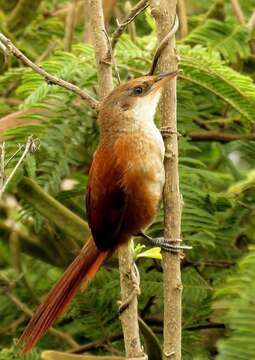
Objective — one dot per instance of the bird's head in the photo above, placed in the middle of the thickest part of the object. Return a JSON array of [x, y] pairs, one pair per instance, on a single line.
[[136, 99]]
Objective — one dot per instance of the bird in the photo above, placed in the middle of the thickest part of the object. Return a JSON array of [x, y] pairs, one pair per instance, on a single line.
[[124, 190]]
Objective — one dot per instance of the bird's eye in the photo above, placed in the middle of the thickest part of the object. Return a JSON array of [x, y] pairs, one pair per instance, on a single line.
[[138, 90]]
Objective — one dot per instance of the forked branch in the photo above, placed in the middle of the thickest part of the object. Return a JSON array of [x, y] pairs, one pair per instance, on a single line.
[[134, 12]]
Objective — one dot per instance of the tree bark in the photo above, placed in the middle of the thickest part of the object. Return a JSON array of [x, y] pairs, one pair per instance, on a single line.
[[164, 13]]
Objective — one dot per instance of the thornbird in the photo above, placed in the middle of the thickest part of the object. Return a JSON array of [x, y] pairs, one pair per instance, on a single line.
[[124, 189]]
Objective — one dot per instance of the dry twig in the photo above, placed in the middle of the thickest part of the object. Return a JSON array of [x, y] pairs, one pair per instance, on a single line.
[[137, 9], [50, 79]]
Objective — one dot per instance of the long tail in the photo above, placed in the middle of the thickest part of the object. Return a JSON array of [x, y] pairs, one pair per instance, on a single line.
[[81, 270]]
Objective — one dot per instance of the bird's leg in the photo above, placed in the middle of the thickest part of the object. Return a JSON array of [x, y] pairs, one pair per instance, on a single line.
[[135, 278], [166, 245]]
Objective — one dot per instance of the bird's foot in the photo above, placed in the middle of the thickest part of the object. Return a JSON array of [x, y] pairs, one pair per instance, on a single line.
[[166, 245], [135, 278]]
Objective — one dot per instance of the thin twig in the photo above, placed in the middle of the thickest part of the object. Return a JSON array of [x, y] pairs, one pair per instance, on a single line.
[[28, 148], [50, 79], [137, 9], [21, 147], [163, 43]]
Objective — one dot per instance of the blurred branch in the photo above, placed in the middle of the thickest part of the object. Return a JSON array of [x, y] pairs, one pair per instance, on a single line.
[[17, 264], [135, 11], [50, 79], [238, 11], [57, 355], [216, 135], [71, 224], [69, 25], [182, 15]]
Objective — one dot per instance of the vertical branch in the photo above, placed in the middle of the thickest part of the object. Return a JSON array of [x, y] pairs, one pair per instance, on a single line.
[[182, 14], [129, 316], [238, 11], [69, 25], [103, 55], [164, 13]]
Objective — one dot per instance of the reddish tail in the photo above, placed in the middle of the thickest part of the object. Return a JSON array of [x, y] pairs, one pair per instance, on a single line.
[[81, 270]]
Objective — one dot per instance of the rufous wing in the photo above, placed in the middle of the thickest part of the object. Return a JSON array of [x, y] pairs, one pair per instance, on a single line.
[[106, 200]]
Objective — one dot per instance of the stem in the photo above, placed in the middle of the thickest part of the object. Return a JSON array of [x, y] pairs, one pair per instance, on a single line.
[[50, 79], [164, 12]]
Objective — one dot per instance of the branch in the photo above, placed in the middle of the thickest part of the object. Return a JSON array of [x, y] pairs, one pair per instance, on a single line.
[[134, 12], [69, 25], [71, 224], [164, 12], [129, 317], [102, 51], [50, 79], [216, 135], [238, 11], [182, 14]]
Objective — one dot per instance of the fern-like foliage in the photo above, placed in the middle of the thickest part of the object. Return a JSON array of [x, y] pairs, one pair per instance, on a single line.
[[227, 38], [236, 298], [207, 70]]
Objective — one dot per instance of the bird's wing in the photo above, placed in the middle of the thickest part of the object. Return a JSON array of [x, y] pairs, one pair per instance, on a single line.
[[106, 200]]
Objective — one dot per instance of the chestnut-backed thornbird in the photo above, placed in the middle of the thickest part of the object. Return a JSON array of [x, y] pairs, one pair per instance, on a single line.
[[124, 189]]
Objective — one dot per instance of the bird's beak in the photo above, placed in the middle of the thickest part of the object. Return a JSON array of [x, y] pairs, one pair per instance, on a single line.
[[161, 79], [166, 76]]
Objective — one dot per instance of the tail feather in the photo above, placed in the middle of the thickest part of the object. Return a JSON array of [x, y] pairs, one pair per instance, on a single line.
[[81, 270]]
